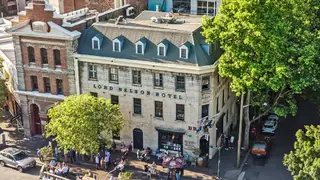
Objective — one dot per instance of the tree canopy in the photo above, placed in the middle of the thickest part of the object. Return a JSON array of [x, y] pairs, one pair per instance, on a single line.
[[76, 122], [271, 48], [304, 161]]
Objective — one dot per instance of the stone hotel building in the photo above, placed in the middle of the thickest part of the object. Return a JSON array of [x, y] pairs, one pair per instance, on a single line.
[[164, 77]]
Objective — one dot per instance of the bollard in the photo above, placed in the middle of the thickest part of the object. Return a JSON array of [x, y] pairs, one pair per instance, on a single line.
[[3, 140]]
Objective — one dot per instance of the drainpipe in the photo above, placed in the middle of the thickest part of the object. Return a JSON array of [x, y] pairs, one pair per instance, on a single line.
[[76, 69]]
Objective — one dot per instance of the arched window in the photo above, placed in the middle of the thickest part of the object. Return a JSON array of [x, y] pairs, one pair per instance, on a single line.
[[31, 55], [56, 56], [44, 56]]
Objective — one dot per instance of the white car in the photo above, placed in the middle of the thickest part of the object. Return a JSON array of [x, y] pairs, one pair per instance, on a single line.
[[270, 126], [273, 117]]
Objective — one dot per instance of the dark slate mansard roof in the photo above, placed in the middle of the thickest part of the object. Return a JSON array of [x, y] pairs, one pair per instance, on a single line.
[[153, 36]]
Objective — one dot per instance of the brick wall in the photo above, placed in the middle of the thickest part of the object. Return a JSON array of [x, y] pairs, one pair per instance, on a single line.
[[71, 5], [100, 5], [50, 48], [53, 83], [39, 14], [79, 4]]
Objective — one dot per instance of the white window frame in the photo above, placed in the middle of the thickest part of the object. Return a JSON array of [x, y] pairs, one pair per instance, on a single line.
[[93, 40], [165, 49], [187, 52], [114, 45], [93, 68], [139, 43]]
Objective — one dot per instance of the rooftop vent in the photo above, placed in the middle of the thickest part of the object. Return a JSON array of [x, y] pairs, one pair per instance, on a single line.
[[119, 19], [167, 19]]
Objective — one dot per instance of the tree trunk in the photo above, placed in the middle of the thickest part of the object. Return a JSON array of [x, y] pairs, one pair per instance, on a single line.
[[247, 121]]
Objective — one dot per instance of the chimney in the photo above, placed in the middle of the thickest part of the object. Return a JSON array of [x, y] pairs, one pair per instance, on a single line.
[[1, 19], [97, 17]]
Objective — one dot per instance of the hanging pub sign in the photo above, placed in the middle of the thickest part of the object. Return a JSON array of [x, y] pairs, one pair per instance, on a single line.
[[136, 91]]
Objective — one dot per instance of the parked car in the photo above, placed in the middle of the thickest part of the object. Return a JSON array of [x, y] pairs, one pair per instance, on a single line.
[[273, 117], [261, 147], [16, 158], [270, 126]]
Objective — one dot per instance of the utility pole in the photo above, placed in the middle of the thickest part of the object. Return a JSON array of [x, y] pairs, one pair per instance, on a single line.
[[240, 131]]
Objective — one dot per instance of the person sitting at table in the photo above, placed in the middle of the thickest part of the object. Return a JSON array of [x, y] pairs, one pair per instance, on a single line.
[[52, 163], [59, 165], [58, 171], [65, 170], [153, 168]]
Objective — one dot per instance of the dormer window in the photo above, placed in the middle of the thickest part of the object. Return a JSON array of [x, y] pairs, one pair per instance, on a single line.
[[184, 50], [163, 47], [161, 51], [117, 43], [139, 49], [116, 46], [141, 45], [183, 53], [97, 42]]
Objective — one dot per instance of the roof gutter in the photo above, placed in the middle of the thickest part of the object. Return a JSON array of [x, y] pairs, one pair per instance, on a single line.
[[197, 70]]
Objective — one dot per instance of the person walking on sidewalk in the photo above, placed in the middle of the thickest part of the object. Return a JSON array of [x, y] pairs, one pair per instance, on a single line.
[[231, 141], [226, 142], [97, 160], [107, 160], [57, 153], [72, 156], [39, 154]]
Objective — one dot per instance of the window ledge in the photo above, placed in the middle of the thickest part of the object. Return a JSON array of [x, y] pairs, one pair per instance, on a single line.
[[178, 120], [205, 90], [114, 82], [137, 85], [177, 90], [137, 115], [91, 79], [157, 87], [158, 118]]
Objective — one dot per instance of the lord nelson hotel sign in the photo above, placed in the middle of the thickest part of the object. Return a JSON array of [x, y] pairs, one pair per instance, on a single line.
[[136, 91]]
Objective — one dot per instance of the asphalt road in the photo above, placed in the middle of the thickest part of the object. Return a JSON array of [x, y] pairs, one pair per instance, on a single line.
[[273, 168], [7, 173]]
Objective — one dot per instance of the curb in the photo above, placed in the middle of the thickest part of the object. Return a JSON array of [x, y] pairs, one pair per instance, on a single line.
[[244, 160]]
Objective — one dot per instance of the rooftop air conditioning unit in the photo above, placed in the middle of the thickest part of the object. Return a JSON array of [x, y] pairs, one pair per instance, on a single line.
[[130, 11]]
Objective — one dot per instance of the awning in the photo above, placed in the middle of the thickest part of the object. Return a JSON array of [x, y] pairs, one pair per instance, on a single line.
[[171, 130]]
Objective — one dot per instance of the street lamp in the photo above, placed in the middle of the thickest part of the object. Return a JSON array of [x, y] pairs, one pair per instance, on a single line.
[[240, 124], [218, 171]]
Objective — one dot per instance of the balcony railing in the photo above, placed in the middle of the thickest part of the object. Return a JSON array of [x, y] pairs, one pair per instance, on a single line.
[[49, 176]]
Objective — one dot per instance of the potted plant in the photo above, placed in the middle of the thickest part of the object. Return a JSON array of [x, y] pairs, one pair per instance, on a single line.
[[197, 151], [126, 175]]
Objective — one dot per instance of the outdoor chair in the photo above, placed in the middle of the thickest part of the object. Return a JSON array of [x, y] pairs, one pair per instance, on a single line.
[[193, 162]]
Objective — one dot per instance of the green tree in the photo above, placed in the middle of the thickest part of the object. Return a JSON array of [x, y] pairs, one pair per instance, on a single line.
[[3, 87], [271, 49], [304, 161], [76, 122]]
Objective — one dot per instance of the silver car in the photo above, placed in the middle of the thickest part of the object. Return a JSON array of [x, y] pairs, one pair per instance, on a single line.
[[16, 158]]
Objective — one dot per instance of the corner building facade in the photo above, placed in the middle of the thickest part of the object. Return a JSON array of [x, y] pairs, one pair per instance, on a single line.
[[163, 76], [44, 63]]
